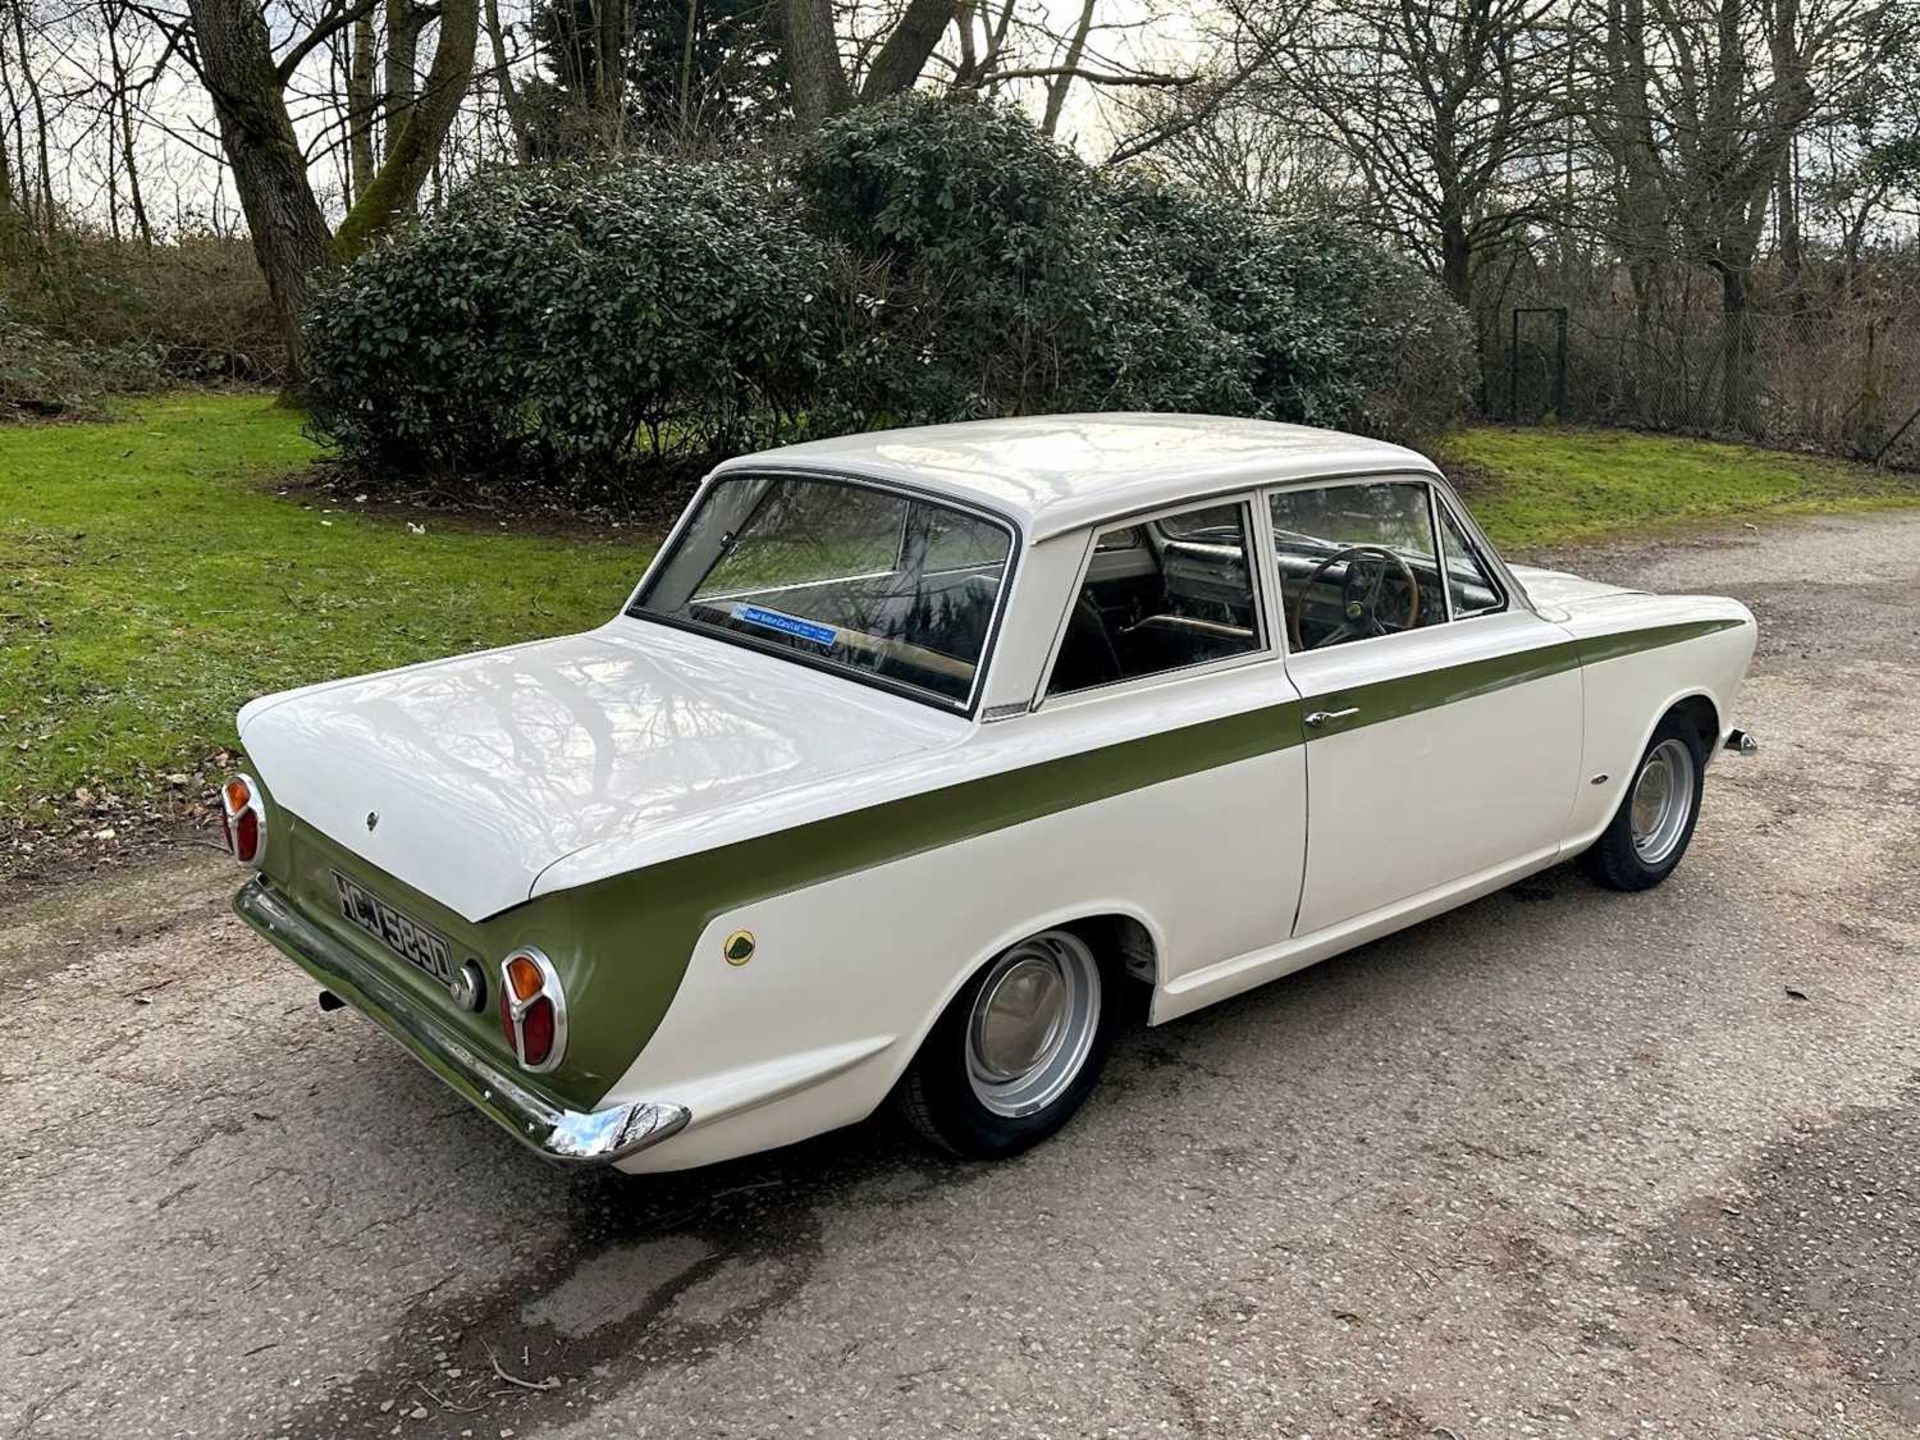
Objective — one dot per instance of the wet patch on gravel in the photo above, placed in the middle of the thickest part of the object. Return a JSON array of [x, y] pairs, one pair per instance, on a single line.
[[1819, 1247], [641, 1274]]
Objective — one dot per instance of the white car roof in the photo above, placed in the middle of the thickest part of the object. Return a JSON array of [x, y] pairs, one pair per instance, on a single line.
[[1054, 473]]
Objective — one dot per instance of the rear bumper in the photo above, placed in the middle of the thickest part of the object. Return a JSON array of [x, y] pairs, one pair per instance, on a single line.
[[575, 1137]]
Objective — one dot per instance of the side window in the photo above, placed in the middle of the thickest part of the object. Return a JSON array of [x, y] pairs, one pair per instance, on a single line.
[[1473, 589], [1179, 592], [1356, 561]]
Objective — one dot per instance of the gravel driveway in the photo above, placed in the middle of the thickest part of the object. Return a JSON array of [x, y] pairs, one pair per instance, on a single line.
[[1562, 1163]]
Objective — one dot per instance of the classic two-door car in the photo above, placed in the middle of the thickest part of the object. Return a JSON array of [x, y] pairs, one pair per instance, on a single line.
[[913, 753]]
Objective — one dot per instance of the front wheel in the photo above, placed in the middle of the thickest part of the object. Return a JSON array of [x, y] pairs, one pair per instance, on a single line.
[[1016, 1053], [1652, 828]]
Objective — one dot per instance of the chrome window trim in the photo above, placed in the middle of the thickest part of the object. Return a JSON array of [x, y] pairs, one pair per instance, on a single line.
[[1227, 488], [1477, 546], [967, 708], [1269, 648]]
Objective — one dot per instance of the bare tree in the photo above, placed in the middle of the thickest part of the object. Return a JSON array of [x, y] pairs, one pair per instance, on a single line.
[[1449, 111], [1705, 100]]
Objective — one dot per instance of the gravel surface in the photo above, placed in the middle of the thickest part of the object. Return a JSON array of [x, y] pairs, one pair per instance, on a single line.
[[1562, 1163]]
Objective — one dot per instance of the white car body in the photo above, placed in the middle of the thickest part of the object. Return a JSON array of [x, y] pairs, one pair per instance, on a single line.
[[1235, 842]]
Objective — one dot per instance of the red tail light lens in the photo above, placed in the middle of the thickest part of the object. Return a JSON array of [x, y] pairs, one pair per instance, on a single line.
[[243, 819], [533, 1010], [536, 1033]]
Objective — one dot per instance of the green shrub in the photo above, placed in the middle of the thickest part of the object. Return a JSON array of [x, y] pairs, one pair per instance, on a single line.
[[929, 261], [966, 239], [572, 322], [999, 274]]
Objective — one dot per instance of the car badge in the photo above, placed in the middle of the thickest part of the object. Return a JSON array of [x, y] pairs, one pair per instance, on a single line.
[[373, 818], [739, 947]]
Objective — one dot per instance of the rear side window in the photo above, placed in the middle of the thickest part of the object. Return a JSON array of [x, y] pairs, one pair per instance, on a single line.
[[1159, 597]]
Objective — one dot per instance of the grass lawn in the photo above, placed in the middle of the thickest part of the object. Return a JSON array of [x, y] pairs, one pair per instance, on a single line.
[[149, 584], [1539, 486], [150, 581]]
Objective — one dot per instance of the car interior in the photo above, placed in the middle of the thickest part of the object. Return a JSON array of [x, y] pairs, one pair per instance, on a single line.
[[1160, 596], [1356, 561], [919, 629], [858, 577]]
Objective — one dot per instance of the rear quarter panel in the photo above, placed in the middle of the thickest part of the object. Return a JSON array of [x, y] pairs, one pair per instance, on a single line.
[[848, 973]]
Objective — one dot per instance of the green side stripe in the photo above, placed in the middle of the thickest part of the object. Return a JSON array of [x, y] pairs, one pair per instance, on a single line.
[[1598, 648]]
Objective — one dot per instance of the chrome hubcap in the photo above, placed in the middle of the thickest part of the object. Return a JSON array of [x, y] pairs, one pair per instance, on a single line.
[[1662, 799], [1033, 1023]]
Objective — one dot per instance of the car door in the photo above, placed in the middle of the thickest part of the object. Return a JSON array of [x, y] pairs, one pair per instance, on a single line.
[[1168, 648], [1443, 715]]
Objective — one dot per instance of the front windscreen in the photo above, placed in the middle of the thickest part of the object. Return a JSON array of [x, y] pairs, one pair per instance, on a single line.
[[856, 577]]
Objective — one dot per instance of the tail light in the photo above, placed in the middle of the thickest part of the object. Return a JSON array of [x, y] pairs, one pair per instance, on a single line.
[[533, 1011], [243, 818]]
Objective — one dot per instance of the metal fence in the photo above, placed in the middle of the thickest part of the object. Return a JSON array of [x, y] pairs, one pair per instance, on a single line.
[[1843, 386]]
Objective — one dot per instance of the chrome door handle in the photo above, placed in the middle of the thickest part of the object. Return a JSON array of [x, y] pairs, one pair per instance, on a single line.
[[1321, 717]]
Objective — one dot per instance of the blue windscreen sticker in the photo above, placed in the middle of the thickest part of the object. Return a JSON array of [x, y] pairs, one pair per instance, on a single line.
[[786, 624]]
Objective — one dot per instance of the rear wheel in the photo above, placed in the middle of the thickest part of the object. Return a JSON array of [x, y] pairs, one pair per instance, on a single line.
[[1016, 1053], [1654, 824]]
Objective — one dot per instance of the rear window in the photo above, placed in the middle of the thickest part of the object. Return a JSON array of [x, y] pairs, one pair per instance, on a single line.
[[883, 585]]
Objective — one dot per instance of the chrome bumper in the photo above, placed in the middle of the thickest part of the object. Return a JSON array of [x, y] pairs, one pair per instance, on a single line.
[[597, 1137]]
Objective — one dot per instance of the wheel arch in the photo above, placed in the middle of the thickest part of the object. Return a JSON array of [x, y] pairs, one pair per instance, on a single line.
[[1124, 938]]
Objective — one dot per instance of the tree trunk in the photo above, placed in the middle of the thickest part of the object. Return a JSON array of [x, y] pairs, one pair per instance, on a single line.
[[1456, 258], [9, 211], [123, 100], [403, 62], [503, 82], [1059, 85], [610, 70], [817, 78], [360, 109], [412, 151], [907, 49], [1787, 205], [44, 203], [269, 171]]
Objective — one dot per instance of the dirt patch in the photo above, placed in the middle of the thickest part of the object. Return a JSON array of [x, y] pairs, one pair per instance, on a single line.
[[458, 505]]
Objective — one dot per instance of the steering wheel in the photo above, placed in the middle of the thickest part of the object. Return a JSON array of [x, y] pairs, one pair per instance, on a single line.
[[1359, 604]]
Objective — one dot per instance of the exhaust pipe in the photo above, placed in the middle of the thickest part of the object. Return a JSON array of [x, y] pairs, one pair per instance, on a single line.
[[1741, 743]]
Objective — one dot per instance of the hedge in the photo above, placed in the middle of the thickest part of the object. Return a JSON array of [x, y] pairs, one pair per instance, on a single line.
[[595, 331]]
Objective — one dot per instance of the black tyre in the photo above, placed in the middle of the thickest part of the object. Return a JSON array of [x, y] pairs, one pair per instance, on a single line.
[[1016, 1053], [1654, 824]]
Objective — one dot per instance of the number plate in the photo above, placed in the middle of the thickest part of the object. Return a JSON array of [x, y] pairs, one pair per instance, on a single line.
[[407, 938]]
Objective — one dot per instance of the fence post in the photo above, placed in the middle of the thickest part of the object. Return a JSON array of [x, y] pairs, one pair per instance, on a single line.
[[1560, 364], [1513, 371]]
